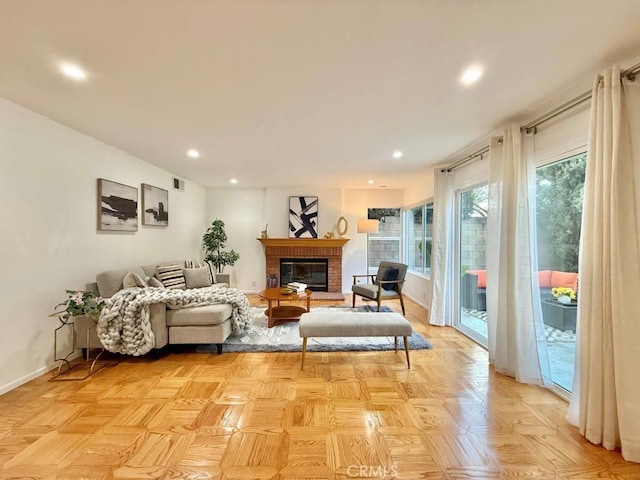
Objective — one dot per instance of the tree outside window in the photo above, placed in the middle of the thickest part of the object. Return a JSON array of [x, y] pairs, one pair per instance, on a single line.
[[559, 196]]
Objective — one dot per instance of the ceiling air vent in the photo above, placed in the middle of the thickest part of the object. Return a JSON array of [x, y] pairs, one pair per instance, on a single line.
[[178, 184]]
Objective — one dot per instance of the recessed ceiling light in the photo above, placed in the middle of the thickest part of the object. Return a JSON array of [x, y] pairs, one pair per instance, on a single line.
[[73, 71], [471, 75], [370, 182], [397, 154], [234, 180], [193, 153]]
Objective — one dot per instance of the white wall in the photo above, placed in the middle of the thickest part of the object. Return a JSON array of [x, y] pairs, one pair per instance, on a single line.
[[49, 241], [243, 212], [277, 208], [419, 189]]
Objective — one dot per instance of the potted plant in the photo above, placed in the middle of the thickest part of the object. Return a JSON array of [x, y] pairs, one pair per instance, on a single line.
[[564, 295], [81, 303], [82, 309], [213, 243]]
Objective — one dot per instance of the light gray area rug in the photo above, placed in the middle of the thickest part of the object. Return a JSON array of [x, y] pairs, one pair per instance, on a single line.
[[285, 337]]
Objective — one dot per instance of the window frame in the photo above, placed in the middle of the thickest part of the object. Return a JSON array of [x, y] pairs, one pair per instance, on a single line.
[[407, 243]]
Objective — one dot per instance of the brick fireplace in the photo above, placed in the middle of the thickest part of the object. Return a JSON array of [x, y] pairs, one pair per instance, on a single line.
[[330, 249]]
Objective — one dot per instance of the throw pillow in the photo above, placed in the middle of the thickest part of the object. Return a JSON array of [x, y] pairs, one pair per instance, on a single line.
[[197, 277], [212, 271], [154, 282], [199, 264], [390, 274], [171, 276], [132, 279]]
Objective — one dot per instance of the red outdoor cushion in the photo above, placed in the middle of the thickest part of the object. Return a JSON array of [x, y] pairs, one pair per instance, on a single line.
[[564, 279], [482, 277], [544, 278]]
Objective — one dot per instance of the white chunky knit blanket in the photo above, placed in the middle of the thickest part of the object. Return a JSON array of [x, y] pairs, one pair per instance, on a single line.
[[124, 325]]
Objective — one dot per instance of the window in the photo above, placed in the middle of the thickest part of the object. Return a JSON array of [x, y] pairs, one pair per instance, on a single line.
[[384, 245], [418, 238]]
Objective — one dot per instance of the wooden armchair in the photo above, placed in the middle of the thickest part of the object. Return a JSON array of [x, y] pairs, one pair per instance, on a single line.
[[386, 284]]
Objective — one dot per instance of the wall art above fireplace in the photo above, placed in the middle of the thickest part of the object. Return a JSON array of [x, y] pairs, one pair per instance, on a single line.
[[303, 217]]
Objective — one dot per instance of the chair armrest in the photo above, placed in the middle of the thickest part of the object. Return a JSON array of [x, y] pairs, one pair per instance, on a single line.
[[355, 277], [380, 282]]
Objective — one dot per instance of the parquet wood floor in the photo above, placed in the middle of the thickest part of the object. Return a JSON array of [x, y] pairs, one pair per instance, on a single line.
[[347, 415]]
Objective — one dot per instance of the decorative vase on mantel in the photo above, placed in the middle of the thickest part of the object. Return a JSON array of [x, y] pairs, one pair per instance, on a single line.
[[564, 299]]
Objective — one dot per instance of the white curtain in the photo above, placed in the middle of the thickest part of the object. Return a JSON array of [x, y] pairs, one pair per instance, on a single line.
[[517, 344], [605, 400], [442, 255]]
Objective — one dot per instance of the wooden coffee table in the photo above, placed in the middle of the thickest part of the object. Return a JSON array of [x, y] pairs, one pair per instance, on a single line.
[[279, 313]]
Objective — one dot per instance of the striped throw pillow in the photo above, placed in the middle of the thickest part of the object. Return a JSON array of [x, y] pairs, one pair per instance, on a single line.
[[171, 276], [200, 264]]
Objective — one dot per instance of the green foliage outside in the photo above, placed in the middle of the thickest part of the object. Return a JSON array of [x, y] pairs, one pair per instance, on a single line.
[[213, 242], [380, 213], [559, 196], [473, 203]]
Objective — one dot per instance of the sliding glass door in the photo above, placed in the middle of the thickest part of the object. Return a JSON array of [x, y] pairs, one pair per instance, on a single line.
[[559, 196], [471, 278]]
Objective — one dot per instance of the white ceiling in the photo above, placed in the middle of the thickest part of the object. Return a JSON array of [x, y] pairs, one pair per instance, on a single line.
[[300, 92]]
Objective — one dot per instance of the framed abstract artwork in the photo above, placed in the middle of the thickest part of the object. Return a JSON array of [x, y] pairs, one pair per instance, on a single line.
[[155, 206], [117, 206], [303, 217]]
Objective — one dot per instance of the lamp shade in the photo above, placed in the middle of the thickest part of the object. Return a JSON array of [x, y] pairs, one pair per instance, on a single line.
[[367, 226]]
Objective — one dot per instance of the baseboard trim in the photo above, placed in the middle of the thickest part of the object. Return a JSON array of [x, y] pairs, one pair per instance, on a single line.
[[416, 301], [33, 375]]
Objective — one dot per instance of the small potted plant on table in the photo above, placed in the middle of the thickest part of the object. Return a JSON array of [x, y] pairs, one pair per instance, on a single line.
[[81, 312]]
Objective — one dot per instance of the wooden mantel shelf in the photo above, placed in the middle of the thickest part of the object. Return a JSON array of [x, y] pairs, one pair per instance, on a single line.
[[303, 242]]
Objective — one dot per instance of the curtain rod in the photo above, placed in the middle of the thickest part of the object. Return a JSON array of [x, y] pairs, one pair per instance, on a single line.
[[467, 159], [629, 73], [574, 102]]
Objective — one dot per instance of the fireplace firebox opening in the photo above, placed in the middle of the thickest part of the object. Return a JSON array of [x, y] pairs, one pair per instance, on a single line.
[[312, 271]]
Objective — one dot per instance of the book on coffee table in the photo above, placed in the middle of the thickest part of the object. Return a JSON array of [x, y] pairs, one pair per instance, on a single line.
[[297, 286]]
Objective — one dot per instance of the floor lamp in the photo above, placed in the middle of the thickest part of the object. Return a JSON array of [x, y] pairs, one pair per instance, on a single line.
[[367, 226]]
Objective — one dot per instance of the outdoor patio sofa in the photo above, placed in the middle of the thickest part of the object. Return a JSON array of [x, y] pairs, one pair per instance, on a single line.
[[473, 291]]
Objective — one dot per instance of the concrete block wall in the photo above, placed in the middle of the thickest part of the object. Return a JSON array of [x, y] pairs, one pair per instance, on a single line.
[[473, 237]]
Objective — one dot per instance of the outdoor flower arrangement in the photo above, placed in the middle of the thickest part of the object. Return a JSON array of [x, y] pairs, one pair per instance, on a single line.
[[81, 302], [563, 291]]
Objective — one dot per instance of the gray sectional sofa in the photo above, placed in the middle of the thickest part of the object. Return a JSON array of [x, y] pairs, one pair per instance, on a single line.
[[208, 324]]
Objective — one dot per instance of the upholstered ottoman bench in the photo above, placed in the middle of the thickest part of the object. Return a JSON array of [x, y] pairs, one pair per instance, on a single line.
[[355, 324]]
